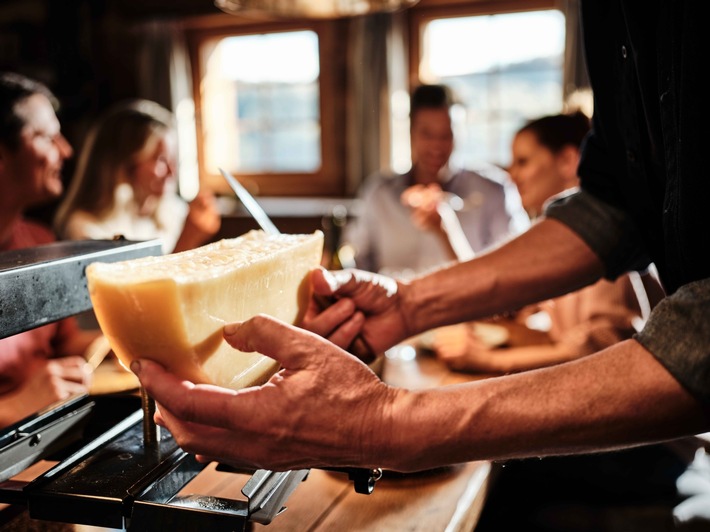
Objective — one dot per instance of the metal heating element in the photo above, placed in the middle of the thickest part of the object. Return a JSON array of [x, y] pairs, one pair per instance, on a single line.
[[115, 467]]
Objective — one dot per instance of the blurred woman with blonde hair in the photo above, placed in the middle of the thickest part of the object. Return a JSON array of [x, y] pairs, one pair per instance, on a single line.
[[124, 184]]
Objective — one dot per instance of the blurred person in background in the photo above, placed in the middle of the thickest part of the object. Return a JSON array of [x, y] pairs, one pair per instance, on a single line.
[[43, 365], [543, 494], [545, 156], [406, 224], [125, 184]]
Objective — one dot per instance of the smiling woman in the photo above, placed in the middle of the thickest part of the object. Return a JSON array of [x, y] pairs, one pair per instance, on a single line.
[[124, 184]]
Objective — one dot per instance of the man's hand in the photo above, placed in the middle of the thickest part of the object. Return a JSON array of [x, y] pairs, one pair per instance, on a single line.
[[357, 310], [296, 420]]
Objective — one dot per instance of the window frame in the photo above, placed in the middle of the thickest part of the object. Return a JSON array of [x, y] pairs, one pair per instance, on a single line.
[[427, 10], [329, 179]]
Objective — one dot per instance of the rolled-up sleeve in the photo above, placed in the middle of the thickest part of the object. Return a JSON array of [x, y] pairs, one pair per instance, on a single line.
[[677, 332], [678, 335], [607, 230]]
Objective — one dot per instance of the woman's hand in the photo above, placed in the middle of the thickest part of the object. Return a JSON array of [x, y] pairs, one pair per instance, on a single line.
[[49, 381], [202, 223], [461, 349]]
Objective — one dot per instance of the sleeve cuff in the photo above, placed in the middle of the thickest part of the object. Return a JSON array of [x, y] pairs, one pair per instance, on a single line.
[[678, 335], [608, 231]]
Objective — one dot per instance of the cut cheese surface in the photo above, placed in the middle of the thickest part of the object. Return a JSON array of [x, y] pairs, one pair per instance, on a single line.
[[172, 308]]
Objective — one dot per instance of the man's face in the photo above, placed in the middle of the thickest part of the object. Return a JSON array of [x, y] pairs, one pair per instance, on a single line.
[[33, 170], [432, 139]]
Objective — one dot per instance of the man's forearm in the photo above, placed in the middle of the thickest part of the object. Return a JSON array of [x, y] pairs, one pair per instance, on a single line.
[[546, 261], [617, 398]]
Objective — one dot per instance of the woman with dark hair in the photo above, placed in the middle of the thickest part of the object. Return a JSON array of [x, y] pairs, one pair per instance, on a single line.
[[544, 165], [543, 494]]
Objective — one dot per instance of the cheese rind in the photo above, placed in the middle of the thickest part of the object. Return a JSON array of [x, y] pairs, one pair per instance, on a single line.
[[172, 308]]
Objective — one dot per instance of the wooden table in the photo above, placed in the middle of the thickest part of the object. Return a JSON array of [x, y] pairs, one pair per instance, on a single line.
[[447, 499]]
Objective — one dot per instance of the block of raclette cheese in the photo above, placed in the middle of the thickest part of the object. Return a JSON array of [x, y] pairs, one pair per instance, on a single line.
[[172, 308]]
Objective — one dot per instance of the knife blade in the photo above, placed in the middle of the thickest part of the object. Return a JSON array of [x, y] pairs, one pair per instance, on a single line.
[[250, 204]]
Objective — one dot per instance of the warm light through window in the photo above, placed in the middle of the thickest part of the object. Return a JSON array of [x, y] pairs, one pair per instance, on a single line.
[[504, 68], [261, 103]]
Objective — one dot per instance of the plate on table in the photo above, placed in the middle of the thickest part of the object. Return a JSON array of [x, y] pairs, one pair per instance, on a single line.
[[491, 334]]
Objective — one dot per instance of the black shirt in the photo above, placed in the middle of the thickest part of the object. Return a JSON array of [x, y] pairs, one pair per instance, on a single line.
[[645, 190]]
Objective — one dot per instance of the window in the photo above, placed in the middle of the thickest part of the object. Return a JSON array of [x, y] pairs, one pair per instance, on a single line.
[[500, 81], [260, 94], [268, 89]]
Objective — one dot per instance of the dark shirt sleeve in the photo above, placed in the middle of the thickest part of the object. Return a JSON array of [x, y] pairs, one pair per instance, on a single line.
[[677, 331], [607, 230], [677, 334]]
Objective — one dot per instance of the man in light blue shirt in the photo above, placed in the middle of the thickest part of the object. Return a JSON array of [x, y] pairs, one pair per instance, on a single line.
[[387, 236]]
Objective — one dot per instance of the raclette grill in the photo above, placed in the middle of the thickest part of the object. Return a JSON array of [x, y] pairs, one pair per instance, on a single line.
[[114, 467]]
